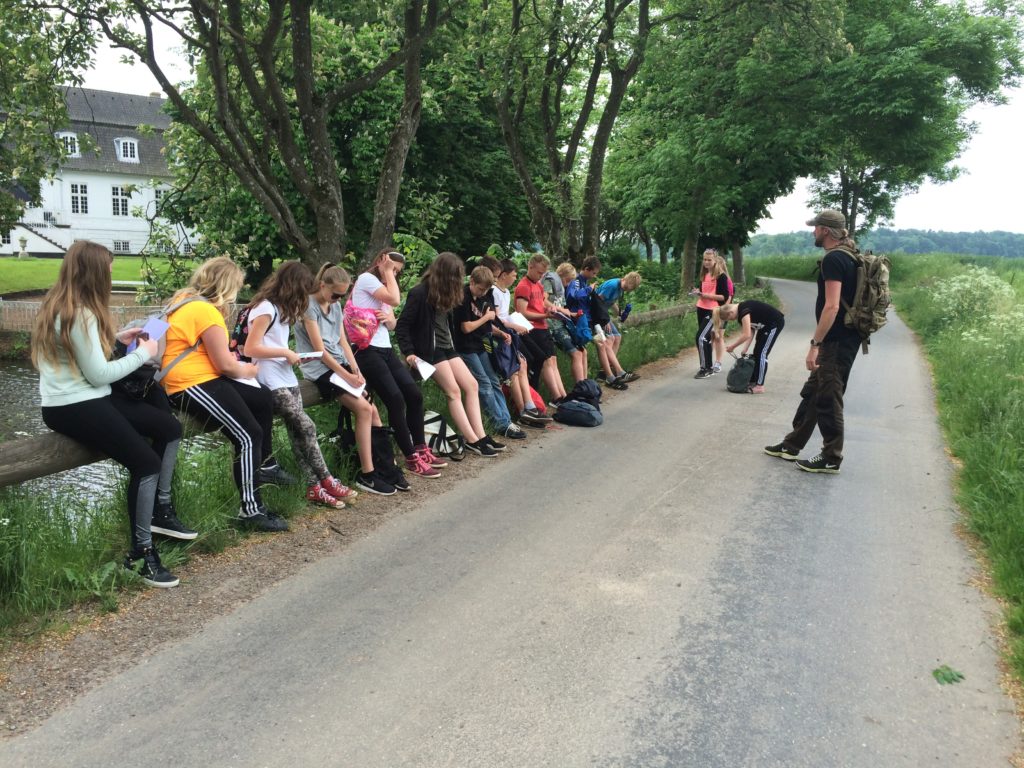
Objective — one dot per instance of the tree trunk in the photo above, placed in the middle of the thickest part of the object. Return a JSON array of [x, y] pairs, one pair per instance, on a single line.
[[689, 263], [738, 272], [389, 184], [648, 244]]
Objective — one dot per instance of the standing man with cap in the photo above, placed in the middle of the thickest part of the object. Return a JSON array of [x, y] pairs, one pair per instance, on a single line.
[[833, 348]]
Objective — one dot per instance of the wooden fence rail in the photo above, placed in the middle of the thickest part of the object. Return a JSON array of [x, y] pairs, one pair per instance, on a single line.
[[28, 458]]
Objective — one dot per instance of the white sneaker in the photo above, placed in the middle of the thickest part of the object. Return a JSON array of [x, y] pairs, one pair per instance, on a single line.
[[716, 368]]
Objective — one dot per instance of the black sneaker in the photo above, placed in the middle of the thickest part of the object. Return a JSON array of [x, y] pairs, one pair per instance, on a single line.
[[534, 419], [600, 378], [499, 447], [704, 373], [147, 566], [617, 383], [263, 521], [819, 464], [274, 474], [513, 432], [481, 448], [780, 450], [628, 376], [166, 523], [373, 483]]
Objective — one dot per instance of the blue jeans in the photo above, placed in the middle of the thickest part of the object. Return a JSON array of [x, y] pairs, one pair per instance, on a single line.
[[491, 398]]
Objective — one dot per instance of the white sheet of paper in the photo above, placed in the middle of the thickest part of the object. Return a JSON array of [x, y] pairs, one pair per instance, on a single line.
[[310, 355], [155, 328], [337, 381], [520, 319], [426, 369], [250, 382]]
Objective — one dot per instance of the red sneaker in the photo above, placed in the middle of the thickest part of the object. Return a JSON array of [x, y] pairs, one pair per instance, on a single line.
[[337, 490], [317, 494], [429, 457], [418, 466]]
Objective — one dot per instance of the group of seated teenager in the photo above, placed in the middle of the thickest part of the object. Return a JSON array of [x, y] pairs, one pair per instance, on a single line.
[[486, 354]]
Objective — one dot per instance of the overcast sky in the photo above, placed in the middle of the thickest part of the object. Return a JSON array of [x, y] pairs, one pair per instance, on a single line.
[[984, 198]]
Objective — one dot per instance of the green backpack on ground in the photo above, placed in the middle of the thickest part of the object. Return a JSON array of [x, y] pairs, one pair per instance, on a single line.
[[867, 313]]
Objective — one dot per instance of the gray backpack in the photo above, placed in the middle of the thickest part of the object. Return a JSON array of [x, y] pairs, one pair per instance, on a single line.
[[738, 379]]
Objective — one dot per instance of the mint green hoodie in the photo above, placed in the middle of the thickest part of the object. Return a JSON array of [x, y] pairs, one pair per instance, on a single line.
[[59, 384]]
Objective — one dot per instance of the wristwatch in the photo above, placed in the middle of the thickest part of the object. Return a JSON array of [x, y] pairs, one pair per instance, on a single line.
[[815, 343]]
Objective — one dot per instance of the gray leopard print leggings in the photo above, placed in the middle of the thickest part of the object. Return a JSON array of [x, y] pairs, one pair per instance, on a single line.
[[301, 432]]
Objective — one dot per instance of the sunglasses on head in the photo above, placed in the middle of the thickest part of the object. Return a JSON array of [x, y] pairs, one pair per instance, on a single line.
[[338, 296]]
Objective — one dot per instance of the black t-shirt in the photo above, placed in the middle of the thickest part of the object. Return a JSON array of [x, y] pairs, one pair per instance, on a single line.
[[838, 265], [469, 310], [760, 313]]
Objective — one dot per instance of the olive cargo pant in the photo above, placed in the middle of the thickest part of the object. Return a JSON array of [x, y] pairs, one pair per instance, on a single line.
[[821, 400]]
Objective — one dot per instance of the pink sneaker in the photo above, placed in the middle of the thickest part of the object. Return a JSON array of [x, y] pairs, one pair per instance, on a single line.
[[337, 490], [429, 457], [317, 494], [756, 389], [418, 466]]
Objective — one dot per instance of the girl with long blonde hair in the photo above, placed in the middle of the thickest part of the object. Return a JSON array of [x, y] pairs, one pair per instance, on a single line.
[[713, 292], [71, 346], [211, 384]]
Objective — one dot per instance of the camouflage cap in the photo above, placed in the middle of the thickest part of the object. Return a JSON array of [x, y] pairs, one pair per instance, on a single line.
[[828, 218]]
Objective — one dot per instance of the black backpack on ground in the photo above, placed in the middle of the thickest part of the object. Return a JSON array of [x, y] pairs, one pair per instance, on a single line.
[[577, 413], [586, 391], [381, 448]]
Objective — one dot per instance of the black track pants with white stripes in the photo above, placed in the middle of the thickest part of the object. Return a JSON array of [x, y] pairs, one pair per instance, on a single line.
[[245, 415]]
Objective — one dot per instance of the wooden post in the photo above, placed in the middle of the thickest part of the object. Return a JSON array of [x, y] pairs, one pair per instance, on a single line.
[[30, 457]]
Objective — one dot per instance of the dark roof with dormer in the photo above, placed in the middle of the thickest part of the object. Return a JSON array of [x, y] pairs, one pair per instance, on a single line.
[[107, 116]]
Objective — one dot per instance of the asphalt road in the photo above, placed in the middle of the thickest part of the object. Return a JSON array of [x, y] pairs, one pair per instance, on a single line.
[[654, 592]]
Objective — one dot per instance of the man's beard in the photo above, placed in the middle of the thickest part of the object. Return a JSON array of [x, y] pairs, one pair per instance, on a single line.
[[818, 240]]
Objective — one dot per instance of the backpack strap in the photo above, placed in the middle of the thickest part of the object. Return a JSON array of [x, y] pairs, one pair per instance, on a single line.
[[165, 313]]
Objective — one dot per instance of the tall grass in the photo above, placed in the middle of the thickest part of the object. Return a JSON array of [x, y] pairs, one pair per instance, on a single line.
[[967, 312]]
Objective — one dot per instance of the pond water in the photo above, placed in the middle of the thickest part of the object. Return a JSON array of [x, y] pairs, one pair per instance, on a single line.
[[20, 417]]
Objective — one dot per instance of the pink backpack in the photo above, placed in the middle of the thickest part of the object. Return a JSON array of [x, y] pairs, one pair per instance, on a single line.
[[360, 324]]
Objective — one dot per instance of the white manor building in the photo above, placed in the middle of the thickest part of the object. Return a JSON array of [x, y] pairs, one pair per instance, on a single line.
[[94, 193]]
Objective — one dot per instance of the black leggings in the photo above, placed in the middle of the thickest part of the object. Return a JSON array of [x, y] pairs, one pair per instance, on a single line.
[[390, 379], [121, 428], [705, 333], [245, 415], [765, 340]]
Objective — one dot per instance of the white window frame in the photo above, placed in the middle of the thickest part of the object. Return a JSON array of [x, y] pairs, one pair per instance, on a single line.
[[80, 199], [122, 246], [5, 238], [127, 150], [69, 140], [119, 200], [186, 248]]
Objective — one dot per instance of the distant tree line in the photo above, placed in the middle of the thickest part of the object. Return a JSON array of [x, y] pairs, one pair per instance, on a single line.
[[1008, 244]]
